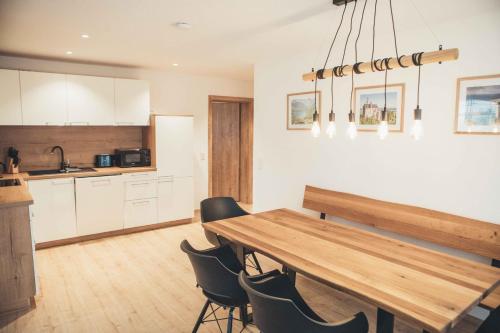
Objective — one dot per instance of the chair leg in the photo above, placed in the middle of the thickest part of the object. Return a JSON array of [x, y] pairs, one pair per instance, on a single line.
[[230, 321], [257, 265], [202, 315]]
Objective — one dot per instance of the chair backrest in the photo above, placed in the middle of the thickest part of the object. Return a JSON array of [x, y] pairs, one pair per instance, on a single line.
[[219, 208], [454, 231], [216, 271], [492, 323], [277, 307]]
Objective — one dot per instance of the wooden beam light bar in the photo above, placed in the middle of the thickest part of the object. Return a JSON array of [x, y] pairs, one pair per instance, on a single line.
[[406, 61]]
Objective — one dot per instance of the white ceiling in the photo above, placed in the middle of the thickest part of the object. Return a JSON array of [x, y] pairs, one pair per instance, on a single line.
[[227, 36]]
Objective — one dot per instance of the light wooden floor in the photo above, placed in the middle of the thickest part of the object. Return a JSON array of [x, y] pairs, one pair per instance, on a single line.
[[144, 283]]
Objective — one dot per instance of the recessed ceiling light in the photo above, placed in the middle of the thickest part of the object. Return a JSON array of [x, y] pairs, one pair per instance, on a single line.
[[69, 52], [183, 25], [175, 65], [85, 36]]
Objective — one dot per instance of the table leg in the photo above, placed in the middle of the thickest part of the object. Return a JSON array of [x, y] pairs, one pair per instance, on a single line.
[[385, 321], [291, 274], [240, 254]]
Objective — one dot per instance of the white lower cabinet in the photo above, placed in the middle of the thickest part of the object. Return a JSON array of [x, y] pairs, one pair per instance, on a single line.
[[53, 212], [99, 204], [175, 198], [140, 212]]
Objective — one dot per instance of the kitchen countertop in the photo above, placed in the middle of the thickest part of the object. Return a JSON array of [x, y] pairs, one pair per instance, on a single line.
[[12, 196]]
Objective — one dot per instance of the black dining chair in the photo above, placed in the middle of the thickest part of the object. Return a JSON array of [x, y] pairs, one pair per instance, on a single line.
[[216, 270], [492, 323], [219, 208], [278, 307]]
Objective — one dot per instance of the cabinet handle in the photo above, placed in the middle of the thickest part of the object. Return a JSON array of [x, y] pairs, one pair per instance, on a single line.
[[138, 174], [62, 182], [103, 182], [137, 203], [140, 184], [166, 181]]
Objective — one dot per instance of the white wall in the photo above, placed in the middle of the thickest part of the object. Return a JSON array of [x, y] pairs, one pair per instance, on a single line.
[[459, 174], [171, 93]]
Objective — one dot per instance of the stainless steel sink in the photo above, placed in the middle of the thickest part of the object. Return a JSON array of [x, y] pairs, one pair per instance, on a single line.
[[57, 171]]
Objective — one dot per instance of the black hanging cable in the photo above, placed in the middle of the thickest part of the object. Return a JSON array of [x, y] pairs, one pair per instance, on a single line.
[[356, 63], [394, 30], [373, 34], [347, 39], [418, 87], [335, 37]]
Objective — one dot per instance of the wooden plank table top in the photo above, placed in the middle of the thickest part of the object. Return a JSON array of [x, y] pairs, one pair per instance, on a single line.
[[429, 289]]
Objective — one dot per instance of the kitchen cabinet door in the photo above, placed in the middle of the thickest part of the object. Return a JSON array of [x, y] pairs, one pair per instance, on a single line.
[[183, 198], [166, 199], [10, 98], [174, 146], [53, 212], [43, 98], [99, 204], [131, 102], [90, 100], [140, 212]]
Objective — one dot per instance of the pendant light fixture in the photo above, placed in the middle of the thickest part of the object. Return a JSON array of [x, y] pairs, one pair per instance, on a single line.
[[374, 65], [383, 127], [315, 128], [417, 130]]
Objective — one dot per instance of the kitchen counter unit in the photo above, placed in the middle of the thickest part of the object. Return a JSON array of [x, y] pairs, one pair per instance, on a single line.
[[12, 196]]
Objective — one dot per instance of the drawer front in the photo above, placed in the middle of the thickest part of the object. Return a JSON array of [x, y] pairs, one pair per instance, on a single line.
[[141, 189], [134, 176], [140, 212]]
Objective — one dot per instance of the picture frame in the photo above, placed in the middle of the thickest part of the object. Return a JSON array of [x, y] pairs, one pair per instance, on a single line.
[[300, 110], [477, 108], [369, 103]]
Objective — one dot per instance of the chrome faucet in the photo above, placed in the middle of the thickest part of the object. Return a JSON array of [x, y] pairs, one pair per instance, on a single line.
[[63, 164]]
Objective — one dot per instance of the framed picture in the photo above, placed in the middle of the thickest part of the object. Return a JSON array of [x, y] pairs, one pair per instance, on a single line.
[[369, 104], [478, 105], [300, 110]]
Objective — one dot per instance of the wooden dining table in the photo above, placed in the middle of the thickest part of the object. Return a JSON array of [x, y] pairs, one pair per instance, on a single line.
[[428, 289]]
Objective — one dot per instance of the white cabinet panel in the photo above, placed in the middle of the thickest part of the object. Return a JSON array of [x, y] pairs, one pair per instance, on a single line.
[[99, 204], [166, 199], [131, 102], [174, 146], [140, 212], [43, 98], [141, 189], [53, 211], [183, 198], [10, 98], [175, 198], [90, 100]]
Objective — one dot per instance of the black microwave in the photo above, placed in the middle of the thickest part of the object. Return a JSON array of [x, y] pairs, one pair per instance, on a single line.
[[128, 158]]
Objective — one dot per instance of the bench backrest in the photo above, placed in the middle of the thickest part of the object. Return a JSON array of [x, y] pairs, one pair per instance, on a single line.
[[454, 231]]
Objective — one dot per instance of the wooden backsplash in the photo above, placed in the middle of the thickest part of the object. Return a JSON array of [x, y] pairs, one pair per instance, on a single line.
[[80, 143]]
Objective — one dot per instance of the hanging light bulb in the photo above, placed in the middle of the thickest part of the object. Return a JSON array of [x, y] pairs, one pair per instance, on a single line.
[[417, 130], [383, 128], [315, 129], [331, 130], [352, 131]]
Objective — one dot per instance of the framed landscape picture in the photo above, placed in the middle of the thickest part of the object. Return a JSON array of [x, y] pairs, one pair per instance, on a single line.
[[478, 105], [369, 104], [300, 110]]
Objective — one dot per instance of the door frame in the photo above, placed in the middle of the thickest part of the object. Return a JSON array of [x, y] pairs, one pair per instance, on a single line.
[[248, 102]]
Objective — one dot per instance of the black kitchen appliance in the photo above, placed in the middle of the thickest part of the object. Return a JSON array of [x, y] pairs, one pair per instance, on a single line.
[[127, 158], [103, 160]]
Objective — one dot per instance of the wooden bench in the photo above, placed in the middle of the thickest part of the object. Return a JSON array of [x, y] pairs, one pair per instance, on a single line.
[[449, 230]]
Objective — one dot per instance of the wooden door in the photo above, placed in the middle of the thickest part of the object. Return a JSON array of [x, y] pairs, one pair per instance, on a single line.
[[226, 149]]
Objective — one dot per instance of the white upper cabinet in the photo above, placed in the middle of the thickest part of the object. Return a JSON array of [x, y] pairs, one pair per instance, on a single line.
[[90, 100], [10, 98], [131, 102], [43, 98]]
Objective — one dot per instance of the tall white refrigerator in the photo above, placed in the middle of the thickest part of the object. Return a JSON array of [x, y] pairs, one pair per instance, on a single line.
[[174, 161]]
